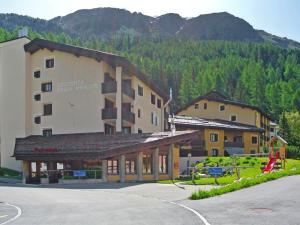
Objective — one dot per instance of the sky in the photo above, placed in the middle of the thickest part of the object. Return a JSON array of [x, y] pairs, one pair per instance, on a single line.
[[278, 17]]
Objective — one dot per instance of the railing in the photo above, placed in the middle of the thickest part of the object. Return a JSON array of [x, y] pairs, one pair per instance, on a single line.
[[109, 87], [128, 116], [109, 113], [127, 90], [233, 144]]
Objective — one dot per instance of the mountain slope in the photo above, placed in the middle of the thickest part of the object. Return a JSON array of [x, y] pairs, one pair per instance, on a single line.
[[105, 23]]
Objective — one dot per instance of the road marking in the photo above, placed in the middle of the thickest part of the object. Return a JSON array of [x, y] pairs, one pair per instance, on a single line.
[[15, 217], [3, 216], [192, 210]]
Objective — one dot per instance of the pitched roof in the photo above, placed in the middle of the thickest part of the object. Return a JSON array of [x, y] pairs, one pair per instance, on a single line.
[[74, 146], [112, 59], [196, 123], [218, 97]]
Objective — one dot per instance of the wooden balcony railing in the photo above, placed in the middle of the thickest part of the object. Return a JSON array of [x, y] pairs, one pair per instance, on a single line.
[[109, 87], [128, 116], [127, 90], [109, 113]]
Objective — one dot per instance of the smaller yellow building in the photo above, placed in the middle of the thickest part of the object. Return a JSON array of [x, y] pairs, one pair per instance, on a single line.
[[214, 106], [218, 137]]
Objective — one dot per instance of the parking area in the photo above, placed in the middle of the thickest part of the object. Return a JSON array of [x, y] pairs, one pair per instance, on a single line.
[[106, 203]]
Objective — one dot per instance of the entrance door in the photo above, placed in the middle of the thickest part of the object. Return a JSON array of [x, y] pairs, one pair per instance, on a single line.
[[34, 175]]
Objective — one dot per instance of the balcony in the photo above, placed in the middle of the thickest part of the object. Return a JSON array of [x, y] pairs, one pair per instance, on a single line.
[[109, 87], [109, 113], [128, 91], [233, 144], [128, 116]]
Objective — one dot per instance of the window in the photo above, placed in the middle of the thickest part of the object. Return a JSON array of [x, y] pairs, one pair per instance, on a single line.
[[130, 166], [47, 87], [139, 113], [196, 106], [49, 63], [47, 132], [152, 118], [126, 130], [140, 90], [214, 137], [222, 107], [37, 120], [140, 131], [156, 120], [47, 109], [153, 99], [163, 163], [254, 140], [112, 167], [272, 129], [37, 97], [159, 103], [108, 129], [215, 152], [37, 74], [233, 118], [205, 106], [252, 151], [147, 164]]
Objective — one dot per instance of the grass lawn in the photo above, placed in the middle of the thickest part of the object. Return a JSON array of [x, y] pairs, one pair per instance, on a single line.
[[8, 173], [253, 162]]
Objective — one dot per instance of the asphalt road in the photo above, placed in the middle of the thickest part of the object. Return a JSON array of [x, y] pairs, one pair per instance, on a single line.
[[98, 204], [273, 203]]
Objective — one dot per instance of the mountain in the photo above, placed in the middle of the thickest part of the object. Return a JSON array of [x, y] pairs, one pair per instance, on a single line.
[[105, 23]]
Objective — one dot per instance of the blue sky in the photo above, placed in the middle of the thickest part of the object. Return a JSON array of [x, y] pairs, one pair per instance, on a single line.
[[279, 17]]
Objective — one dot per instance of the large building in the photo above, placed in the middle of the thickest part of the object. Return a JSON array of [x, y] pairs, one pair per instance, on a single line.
[[227, 126], [50, 93]]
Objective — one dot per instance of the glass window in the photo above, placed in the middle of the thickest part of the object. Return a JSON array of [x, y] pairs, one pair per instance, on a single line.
[[37, 97], [126, 130], [196, 106], [147, 163], [153, 99], [112, 167], [214, 137], [163, 164], [47, 132], [37, 120], [254, 140], [47, 109], [130, 166], [47, 87], [139, 113], [49, 63], [140, 131], [140, 91], [37, 74], [215, 152], [233, 118], [159, 103], [222, 107], [252, 151]]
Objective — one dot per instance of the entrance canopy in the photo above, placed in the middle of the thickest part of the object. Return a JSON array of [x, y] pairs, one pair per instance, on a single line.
[[94, 145]]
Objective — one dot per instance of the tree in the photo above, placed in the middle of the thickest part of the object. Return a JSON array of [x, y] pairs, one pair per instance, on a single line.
[[297, 100], [284, 128]]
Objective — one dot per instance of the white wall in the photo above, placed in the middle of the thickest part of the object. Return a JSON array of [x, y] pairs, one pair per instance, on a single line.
[[12, 98]]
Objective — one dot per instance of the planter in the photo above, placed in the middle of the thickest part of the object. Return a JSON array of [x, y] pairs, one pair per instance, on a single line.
[[45, 180], [80, 181]]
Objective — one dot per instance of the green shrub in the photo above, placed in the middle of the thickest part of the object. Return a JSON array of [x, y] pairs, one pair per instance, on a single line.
[[246, 162], [293, 152]]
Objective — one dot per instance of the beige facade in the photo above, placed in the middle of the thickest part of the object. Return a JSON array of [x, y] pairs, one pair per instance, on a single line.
[[209, 109], [79, 102]]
